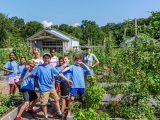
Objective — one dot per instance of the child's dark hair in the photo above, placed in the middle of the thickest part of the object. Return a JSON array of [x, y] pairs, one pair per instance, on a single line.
[[61, 58], [12, 52], [52, 51]]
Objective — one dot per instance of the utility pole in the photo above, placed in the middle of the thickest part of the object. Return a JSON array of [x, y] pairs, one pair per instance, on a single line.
[[104, 43], [125, 33], [88, 42], [136, 28], [91, 43]]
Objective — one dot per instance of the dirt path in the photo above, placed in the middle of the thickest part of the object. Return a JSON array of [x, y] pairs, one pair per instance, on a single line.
[[39, 114], [4, 86]]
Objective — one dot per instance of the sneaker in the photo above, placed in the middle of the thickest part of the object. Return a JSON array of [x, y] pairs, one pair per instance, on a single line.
[[65, 113], [46, 118], [18, 118], [59, 115]]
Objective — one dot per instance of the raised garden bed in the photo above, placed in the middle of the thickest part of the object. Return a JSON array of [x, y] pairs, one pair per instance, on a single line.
[[9, 104]]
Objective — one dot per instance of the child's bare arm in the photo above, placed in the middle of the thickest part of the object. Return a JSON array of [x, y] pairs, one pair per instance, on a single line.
[[97, 62], [88, 69], [53, 79], [66, 79], [4, 69], [25, 77]]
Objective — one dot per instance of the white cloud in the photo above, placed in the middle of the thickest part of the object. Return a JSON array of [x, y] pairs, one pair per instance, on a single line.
[[46, 23], [76, 24]]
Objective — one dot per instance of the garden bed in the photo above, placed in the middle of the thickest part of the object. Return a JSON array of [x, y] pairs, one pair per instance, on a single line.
[[8, 104], [12, 114]]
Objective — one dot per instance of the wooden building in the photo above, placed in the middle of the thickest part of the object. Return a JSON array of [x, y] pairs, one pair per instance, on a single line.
[[54, 39]]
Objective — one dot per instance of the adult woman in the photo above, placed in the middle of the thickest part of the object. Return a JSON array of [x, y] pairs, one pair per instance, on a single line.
[[90, 60], [36, 57]]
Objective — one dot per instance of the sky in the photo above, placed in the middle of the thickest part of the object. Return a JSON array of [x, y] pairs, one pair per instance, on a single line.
[[73, 12]]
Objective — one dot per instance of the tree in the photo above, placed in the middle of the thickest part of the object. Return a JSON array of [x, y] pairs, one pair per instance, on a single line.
[[154, 25], [6, 27], [75, 31], [117, 31], [31, 28], [18, 22], [91, 31]]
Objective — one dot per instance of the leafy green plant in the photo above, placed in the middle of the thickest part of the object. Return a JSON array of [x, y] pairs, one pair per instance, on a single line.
[[90, 114], [93, 95], [8, 102]]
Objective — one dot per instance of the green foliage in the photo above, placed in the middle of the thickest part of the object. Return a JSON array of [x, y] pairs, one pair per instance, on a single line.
[[5, 26], [93, 95], [135, 73], [31, 28], [90, 114], [134, 69], [90, 109], [80, 113], [154, 24], [8, 102]]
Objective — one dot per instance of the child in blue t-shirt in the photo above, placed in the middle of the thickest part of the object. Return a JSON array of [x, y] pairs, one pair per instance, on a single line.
[[21, 66], [58, 80], [78, 71], [65, 88], [27, 89], [63, 85], [12, 68], [46, 73]]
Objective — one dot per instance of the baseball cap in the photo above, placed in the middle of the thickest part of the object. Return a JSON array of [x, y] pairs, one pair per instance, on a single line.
[[46, 54]]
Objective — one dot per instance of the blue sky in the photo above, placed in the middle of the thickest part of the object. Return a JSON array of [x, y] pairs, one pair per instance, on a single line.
[[73, 11]]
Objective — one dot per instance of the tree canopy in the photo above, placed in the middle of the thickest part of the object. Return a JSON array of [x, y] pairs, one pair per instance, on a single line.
[[16, 28]]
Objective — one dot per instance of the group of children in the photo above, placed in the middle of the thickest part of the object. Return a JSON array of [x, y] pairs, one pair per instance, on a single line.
[[55, 78]]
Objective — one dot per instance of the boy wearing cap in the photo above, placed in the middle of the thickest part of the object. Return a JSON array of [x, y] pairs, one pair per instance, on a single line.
[[88, 58], [46, 73]]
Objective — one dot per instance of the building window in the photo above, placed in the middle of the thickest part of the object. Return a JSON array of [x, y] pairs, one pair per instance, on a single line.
[[56, 45], [52, 43]]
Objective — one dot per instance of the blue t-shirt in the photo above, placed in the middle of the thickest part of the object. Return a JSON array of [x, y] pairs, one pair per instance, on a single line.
[[59, 68], [67, 74], [12, 65], [45, 74], [27, 84], [77, 76], [20, 68]]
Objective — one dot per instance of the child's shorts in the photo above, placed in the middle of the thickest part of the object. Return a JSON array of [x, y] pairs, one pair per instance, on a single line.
[[29, 95], [45, 96], [35, 82], [57, 86], [75, 91], [13, 80], [64, 89], [89, 73]]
